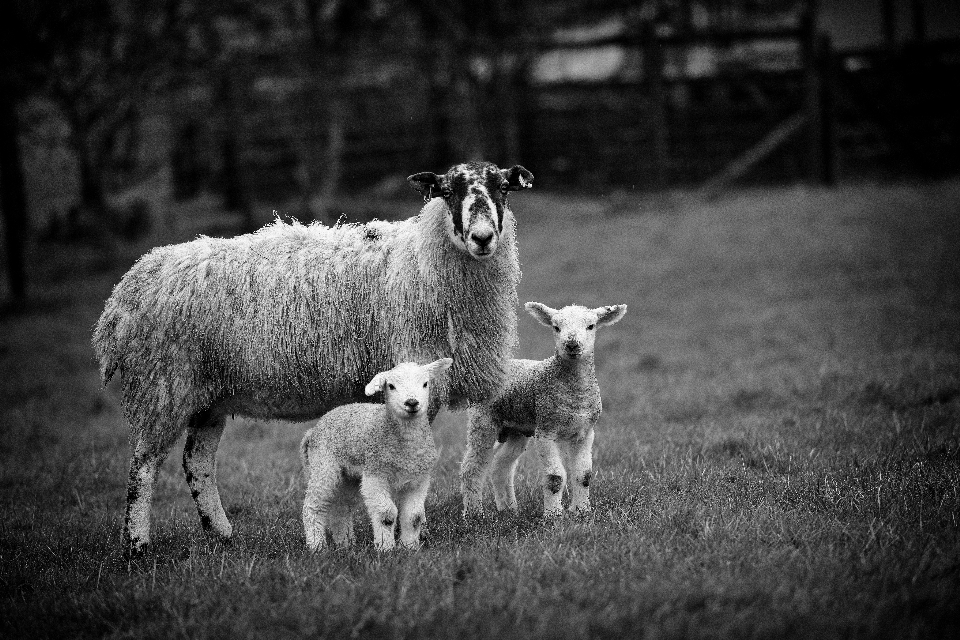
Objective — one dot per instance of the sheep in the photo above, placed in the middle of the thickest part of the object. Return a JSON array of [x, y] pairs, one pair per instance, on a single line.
[[556, 401], [288, 322], [382, 453]]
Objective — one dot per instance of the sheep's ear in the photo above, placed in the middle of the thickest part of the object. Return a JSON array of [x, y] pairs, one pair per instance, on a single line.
[[428, 184], [610, 315], [375, 385], [517, 178], [438, 366], [541, 312]]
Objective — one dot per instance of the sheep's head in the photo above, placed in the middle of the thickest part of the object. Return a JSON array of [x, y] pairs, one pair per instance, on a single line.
[[406, 387], [476, 198], [575, 327]]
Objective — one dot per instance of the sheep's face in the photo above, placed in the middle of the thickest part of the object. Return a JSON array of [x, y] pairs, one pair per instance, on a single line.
[[406, 387], [575, 327], [476, 198]]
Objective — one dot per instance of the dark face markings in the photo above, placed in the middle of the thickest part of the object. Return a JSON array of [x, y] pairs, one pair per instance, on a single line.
[[465, 179]]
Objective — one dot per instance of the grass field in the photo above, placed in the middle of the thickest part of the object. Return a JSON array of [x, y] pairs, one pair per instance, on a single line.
[[779, 454]]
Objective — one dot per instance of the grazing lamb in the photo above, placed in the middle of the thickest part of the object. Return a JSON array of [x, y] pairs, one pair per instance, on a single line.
[[290, 321], [557, 401], [382, 453]]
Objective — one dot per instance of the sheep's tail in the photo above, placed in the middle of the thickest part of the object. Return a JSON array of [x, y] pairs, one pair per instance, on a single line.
[[305, 452], [108, 344]]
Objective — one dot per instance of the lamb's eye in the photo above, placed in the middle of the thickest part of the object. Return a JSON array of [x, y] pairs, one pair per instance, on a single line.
[[424, 385], [590, 328], [391, 387], [505, 187], [556, 328]]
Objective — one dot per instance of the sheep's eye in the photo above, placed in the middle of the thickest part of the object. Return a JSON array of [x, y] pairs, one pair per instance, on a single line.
[[505, 187], [556, 328], [445, 192], [391, 387], [590, 328]]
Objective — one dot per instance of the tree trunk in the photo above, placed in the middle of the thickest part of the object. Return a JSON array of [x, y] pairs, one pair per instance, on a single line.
[[333, 152], [13, 198], [92, 194]]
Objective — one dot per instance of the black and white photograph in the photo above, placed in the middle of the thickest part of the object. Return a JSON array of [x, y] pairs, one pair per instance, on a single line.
[[480, 320]]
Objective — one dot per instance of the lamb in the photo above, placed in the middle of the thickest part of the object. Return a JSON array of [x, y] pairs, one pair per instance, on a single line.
[[556, 401], [289, 322], [382, 453]]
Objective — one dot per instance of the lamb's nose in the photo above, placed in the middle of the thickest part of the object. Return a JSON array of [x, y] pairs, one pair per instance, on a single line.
[[482, 238], [412, 404]]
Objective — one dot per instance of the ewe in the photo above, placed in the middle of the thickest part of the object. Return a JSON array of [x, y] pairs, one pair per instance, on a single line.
[[382, 453], [557, 401], [288, 322]]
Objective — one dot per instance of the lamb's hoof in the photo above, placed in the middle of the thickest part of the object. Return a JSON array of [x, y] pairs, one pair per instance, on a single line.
[[581, 513], [473, 512]]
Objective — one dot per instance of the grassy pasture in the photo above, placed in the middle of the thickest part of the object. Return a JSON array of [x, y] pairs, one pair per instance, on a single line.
[[779, 454]]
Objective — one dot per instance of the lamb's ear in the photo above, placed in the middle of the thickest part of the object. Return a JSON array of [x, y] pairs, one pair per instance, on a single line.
[[376, 384], [428, 184], [438, 366], [517, 178], [541, 312], [610, 315]]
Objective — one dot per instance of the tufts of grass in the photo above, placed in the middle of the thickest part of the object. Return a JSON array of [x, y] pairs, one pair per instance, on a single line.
[[779, 454]]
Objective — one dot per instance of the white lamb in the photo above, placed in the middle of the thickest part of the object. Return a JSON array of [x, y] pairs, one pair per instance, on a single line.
[[289, 322], [557, 401], [382, 453]]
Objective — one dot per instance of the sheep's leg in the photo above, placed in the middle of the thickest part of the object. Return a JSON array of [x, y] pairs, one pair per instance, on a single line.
[[581, 468], [200, 469], [505, 458], [143, 472], [412, 512], [554, 476], [482, 435], [382, 510]]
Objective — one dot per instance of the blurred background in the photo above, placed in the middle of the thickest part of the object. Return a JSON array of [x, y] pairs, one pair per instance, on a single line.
[[131, 119]]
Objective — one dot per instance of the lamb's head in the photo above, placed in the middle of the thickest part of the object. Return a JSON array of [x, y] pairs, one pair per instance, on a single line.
[[575, 327], [476, 197], [406, 387]]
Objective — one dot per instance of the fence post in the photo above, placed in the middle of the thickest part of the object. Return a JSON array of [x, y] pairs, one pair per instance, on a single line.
[[813, 97], [653, 69], [828, 133]]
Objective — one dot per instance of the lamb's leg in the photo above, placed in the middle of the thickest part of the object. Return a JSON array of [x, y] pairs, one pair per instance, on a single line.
[[382, 510], [482, 435], [505, 458], [200, 469], [413, 515], [340, 516], [581, 464], [554, 476], [319, 501]]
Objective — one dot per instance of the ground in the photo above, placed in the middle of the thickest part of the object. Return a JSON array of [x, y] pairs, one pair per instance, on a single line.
[[779, 453]]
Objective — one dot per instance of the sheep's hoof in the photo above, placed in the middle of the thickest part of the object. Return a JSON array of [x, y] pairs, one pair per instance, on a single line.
[[135, 550]]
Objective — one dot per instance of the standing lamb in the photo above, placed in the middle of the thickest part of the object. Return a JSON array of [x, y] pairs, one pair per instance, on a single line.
[[288, 322], [557, 401], [382, 453]]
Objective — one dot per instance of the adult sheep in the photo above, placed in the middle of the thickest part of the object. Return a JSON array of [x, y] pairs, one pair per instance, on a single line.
[[291, 321]]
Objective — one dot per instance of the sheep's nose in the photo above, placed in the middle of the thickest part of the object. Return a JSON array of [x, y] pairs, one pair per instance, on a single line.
[[412, 404], [482, 238]]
